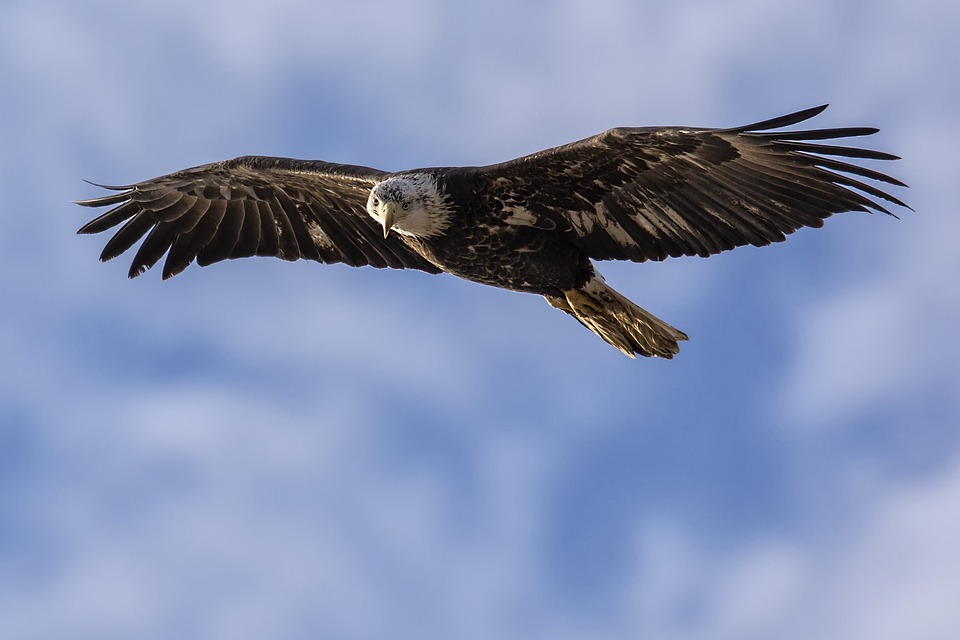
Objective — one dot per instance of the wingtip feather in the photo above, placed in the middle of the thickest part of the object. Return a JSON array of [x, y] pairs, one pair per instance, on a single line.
[[783, 121], [110, 187]]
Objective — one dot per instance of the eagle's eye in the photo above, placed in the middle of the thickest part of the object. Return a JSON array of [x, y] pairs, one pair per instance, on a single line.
[[406, 205], [376, 201]]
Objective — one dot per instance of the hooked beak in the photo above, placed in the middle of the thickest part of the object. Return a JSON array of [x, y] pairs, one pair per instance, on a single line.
[[389, 217]]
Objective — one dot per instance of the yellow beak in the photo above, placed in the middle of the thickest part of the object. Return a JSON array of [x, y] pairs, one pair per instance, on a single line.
[[389, 217]]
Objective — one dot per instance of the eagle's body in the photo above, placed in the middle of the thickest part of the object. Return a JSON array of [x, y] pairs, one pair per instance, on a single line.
[[533, 224], [490, 249]]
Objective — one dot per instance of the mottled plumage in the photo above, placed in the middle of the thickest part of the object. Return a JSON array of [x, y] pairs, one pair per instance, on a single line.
[[531, 224]]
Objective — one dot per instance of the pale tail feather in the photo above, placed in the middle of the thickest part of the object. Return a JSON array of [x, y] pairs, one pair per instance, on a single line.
[[619, 321]]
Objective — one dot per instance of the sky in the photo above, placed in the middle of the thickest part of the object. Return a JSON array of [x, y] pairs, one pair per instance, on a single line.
[[264, 449]]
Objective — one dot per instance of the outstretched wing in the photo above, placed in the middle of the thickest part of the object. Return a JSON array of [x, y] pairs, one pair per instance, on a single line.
[[251, 206], [649, 193]]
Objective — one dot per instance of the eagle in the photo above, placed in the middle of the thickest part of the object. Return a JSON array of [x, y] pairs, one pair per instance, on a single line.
[[535, 224]]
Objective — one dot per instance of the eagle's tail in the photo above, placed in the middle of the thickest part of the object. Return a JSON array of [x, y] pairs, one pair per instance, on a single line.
[[618, 321]]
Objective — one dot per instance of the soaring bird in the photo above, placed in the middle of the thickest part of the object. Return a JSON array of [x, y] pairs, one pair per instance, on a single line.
[[534, 224]]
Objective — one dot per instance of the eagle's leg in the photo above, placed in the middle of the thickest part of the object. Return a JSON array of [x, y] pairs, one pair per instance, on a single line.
[[618, 321]]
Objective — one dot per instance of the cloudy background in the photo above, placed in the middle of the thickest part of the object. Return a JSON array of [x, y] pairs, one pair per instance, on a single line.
[[271, 450]]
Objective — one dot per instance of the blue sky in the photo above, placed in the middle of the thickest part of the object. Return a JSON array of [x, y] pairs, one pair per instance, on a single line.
[[263, 449]]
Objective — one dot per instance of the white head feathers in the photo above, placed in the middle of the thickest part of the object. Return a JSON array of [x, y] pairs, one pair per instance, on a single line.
[[411, 204]]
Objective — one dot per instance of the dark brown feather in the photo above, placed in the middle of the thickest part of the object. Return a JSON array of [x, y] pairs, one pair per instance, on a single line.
[[247, 206], [649, 193]]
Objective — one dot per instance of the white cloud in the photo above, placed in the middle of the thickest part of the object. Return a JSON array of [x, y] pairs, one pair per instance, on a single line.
[[891, 574]]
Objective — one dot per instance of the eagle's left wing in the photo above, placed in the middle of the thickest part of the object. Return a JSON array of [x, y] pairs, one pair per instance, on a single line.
[[251, 206], [649, 193]]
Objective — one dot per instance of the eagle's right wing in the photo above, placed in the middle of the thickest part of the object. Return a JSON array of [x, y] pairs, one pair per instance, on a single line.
[[251, 206], [658, 192]]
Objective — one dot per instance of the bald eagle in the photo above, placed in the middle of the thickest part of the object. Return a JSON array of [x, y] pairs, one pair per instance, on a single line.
[[533, 224]]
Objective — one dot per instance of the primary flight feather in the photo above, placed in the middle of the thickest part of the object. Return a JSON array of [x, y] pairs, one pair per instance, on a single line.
[[533, 224]]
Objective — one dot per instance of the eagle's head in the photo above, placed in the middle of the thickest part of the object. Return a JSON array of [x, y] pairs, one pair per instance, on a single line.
[[411, 204]]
